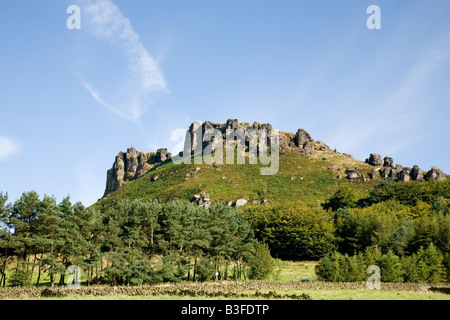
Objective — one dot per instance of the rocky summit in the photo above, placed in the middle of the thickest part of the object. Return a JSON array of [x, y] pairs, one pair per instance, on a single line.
[[132, 164]]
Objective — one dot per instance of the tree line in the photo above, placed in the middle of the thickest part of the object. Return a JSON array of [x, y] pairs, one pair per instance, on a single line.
[[133, 242], [424, 266]]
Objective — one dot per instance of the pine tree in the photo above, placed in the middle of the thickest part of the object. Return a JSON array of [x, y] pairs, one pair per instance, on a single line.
[[391, 268], [410, 269], [262, 265], [430, 265]]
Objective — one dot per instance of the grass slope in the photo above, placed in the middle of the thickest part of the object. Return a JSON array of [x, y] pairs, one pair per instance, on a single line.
[[300, 179]]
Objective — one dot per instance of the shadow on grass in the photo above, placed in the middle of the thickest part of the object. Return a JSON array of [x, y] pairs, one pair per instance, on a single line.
[[445, 290]]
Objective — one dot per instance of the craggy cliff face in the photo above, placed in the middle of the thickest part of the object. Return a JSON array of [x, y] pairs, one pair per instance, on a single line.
[[132, 165]]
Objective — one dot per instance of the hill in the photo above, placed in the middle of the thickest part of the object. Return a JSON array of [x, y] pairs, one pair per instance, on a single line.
[[309, 173]]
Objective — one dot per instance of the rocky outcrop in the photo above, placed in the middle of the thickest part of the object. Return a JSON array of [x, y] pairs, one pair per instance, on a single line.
[[388, 162], [404, 175], [304, 142], [400, 173], [373, 174], [375, 160], [132, 165], [352, 174], [417, 174], [436, 174], [200, 135], [202, 200]]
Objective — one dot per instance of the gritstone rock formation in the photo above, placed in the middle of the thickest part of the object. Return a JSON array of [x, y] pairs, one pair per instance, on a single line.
[[132, 165], [400, 173]]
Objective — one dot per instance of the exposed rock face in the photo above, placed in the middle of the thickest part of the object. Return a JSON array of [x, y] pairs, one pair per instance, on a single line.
[[373, 174], [385, 172], [352, 174], [400, 173], [388, 162], [436, 174], [115, 175], [304, 142], [404, 175], [199, 135], [132, 165], [202, 200], [417, 174], [375, 160]]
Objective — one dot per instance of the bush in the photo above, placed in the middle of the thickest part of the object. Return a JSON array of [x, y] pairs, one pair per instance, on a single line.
[[337, 267], [205, 271], [343, 198], [20, 277]]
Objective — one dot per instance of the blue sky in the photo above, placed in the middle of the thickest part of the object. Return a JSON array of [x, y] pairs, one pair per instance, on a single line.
[[138, 70]]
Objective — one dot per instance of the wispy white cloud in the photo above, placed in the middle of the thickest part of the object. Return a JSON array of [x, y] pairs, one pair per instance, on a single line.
[[104, 20], [8, 148], [94, 93]]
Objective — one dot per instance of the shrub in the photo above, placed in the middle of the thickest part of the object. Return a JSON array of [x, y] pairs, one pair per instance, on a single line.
[[345, 197], [20, 277]]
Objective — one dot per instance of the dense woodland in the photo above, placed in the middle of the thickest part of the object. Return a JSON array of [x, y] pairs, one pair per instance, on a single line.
[[403, 227]]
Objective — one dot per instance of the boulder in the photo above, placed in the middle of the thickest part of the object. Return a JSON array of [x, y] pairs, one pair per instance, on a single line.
[[388, 162], [436, 174], [304, 142], [301, 138], [322, 146], [386, 172], [256, 125], [396, 171], [162, 155], [373, 174], [232, 124], [417, 174], [240, 203], [202, 200], [375, 160], [352, 174], [404, 175]]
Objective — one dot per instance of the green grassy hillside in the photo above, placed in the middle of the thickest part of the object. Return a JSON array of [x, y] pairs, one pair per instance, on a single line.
[[308, 180]]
